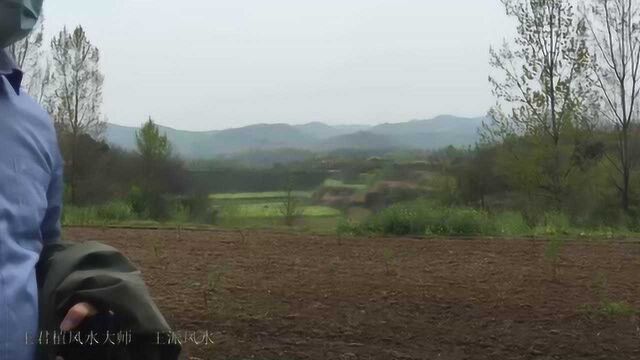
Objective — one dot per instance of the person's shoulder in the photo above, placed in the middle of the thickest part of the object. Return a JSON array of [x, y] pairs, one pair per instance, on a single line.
[[35, 120], [33, 113]]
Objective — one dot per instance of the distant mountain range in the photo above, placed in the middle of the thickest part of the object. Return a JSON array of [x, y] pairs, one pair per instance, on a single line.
[[433, 133]]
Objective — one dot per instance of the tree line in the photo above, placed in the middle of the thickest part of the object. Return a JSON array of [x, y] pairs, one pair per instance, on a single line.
[[64, 76], [564, 129], [564, 134]]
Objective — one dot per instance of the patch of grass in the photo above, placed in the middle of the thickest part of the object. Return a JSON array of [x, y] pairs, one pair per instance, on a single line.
[[467, 222], [320, 211], [617, 308], [554, 223], [345, 227], [511, 223], [607, 307], [73, 215], [610, 309], [110, 213]]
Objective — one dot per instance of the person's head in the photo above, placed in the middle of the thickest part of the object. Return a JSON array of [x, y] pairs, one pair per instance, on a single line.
[[17, 19]]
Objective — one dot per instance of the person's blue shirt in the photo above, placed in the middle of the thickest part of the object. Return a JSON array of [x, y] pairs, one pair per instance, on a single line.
[[31, 193]]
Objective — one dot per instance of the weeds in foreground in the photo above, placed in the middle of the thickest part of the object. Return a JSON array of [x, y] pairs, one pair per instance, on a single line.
[[617, 308], [215, 280], [179, 229], [388, 258], [610, 309], [244, 241], [158, 254], [607, 307], [552, 255]]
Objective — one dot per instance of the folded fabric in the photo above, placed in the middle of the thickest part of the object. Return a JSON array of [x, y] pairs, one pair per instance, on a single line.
[[129, 325]]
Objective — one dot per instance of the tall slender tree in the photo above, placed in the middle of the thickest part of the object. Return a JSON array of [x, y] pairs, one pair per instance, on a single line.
[[614, 28], [538, 80], [155, 154], [153, 147], [77, 96]]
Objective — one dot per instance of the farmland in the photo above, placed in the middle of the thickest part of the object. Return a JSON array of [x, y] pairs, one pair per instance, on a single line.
[[253, 209], [265, 209], [267, 295]]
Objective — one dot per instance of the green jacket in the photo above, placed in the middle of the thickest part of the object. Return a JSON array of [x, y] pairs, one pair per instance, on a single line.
[[130, 325]]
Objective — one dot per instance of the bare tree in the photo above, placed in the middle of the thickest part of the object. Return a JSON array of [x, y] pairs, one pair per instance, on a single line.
[[539, 83], [614, 26], [77, 95], [32, 58]]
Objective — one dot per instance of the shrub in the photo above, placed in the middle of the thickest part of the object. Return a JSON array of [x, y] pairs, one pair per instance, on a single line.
[[159, 207], [180, 213], [554, 223], [147, 204], [468, 222], [74, 215], [420, 218], [109, 213], [115, 212], [430, 218], [137, 200], [346, 228], [199, 206], [398, 221], [511, 223]]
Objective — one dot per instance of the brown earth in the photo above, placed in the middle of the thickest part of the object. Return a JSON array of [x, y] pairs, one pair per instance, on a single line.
[[284, 296]]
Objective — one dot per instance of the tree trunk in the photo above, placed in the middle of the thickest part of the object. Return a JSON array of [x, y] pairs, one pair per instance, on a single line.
[[626, 169], [73, 176]]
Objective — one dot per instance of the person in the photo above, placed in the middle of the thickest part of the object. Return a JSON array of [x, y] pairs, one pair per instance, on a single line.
[[31, 191]]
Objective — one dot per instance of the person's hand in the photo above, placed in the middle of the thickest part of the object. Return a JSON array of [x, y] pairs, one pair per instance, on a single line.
[[76, 315]]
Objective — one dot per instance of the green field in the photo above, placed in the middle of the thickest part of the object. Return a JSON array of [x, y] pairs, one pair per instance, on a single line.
[[257, 210], [339, 184], [260, 195], [245, 212]]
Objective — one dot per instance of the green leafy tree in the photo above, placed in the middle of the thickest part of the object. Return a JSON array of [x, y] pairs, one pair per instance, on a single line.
[[155, 153], [475, 175], [539, 81], [153, 146]]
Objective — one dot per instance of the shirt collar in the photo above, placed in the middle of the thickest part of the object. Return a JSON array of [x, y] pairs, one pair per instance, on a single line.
[[10, 70]]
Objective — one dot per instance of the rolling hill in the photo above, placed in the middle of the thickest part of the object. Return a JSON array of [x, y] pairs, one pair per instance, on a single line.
[[433, 133]]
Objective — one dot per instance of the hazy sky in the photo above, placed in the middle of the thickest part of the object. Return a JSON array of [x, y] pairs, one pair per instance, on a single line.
[[211, 64]]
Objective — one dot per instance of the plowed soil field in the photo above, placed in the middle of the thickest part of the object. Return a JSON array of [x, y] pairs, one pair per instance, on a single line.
[[263, 295]]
